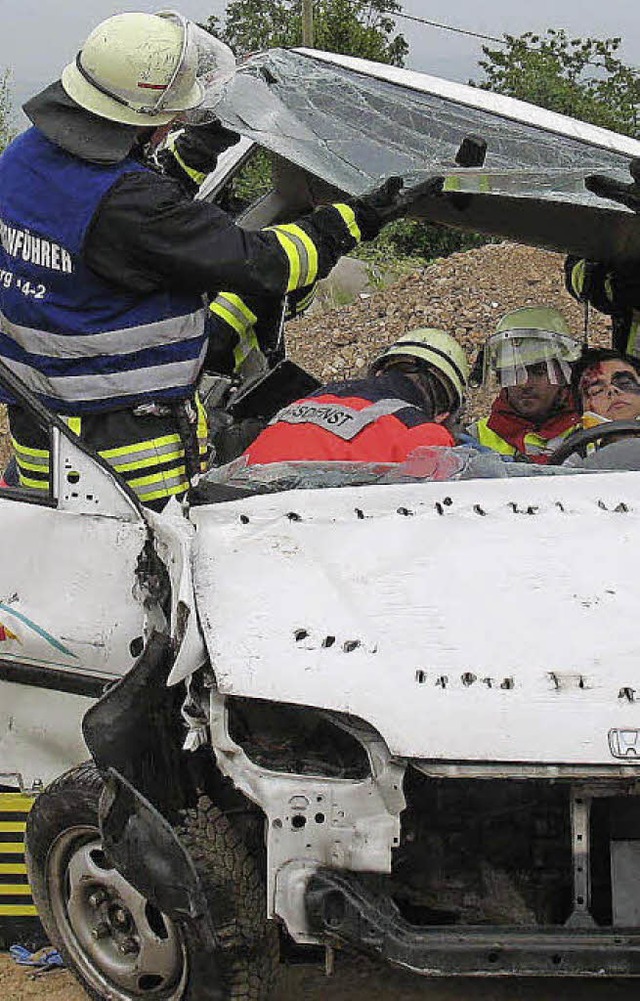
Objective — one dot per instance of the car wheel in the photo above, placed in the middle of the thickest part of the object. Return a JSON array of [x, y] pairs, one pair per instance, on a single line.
[[118, 945]]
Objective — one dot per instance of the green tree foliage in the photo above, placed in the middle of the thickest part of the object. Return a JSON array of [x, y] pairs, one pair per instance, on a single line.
[[581, 77], [411, 243], [6, 133], [363, 28]]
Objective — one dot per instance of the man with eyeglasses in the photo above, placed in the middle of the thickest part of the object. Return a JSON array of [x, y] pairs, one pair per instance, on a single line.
[[104, 262]]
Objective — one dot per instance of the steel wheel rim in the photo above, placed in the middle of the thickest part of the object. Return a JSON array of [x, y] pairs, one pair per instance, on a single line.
[[115, 938]]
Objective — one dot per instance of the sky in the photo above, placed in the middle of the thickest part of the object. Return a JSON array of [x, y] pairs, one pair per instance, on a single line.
[[39, 37]]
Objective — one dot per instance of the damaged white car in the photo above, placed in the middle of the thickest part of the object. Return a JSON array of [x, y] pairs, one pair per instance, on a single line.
[[396, 712]]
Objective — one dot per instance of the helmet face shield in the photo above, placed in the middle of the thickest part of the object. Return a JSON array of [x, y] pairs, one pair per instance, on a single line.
[[208, 59], [145, 69], [513, 357], [216, 68], [213, 63]]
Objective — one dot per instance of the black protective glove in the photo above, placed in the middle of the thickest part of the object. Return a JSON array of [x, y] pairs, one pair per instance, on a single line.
[[390, 201], [201, 145], [585, 280], [610, 289]]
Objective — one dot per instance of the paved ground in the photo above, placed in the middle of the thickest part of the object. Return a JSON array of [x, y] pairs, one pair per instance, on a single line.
[[352, 983]]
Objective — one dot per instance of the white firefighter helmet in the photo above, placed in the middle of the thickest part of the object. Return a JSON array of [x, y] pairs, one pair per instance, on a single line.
[[533, 339], [437, 351], [144, 69]]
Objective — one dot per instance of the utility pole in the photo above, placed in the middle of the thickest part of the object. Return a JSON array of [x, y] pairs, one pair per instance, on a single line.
[[307, 23]]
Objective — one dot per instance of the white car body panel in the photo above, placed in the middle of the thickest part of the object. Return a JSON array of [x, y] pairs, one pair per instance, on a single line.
[[69, 573], [70, 609], [40, 734], [482, 633]]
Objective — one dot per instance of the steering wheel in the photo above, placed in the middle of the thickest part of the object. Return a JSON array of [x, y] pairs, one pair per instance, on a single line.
[[577, 442]]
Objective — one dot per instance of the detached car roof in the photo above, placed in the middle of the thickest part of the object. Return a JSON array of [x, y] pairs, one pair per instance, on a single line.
[[349, 123]]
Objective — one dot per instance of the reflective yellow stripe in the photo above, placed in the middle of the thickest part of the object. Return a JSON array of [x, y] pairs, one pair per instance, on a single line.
[[15, 802], [12, 826], [17, 910], [35, 467], [152, 460], [244, 347], [577, 278], [490, 439], [236, 319], [195, 175], [32, 452], [140, 446], [11, 848], [291, 251], [14, 890], [168, 474], [349, 217], [179, 488], [202, 427], [301, 253], [30, 484], [143, 454], [534, 444], [74, 424], [451, 183], [228, 317], [13, 868], [233, 310]]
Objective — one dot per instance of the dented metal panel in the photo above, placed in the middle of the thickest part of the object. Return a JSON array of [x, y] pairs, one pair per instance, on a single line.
[[469, 621], [67, 598]]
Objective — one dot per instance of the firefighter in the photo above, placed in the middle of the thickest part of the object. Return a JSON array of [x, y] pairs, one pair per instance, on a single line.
[[530, 357], [104, 262], [409, 394], [613, 291]]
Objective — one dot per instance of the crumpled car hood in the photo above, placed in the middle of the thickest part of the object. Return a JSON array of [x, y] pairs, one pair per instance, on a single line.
[[466, 621]]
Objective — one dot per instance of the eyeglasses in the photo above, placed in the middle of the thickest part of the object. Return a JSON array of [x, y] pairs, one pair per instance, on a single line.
[[622, 381]]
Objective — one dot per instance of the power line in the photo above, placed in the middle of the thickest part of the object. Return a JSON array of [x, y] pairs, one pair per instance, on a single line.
[[447, 27]]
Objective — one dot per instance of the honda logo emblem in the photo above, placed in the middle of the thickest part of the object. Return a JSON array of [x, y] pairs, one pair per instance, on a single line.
[[625, 743]]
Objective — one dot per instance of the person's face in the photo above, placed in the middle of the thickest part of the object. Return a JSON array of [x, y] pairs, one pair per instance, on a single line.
[[536, 397], [612, 390]]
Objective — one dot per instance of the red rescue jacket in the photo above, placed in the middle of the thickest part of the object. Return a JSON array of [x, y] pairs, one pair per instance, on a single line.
[[377, 419]]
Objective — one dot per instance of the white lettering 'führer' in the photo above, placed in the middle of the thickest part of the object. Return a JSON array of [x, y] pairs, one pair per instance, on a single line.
[[36, 250]]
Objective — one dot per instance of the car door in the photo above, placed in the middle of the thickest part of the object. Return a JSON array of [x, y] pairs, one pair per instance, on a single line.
[[72, 604]]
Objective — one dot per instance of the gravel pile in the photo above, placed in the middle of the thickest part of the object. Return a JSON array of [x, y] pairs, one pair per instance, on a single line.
[[465, 294]]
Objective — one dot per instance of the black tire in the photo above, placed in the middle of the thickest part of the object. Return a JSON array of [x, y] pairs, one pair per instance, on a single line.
[[68, 873]]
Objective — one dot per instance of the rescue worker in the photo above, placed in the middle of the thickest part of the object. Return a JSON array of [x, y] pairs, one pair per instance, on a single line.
[[104, 262], [530, 357], [411, 390], [612, 291]]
